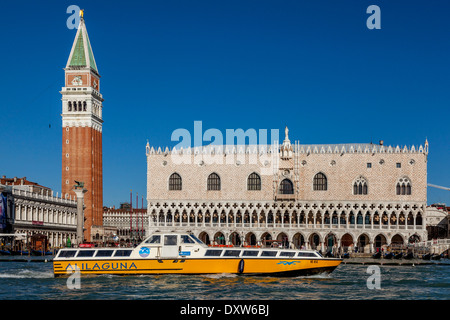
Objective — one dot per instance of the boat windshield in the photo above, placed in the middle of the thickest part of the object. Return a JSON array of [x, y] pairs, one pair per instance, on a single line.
[[186, 239], [196, 239], [154, 239]]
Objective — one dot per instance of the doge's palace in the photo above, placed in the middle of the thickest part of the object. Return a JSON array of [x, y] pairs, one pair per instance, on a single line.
[[358, 197]]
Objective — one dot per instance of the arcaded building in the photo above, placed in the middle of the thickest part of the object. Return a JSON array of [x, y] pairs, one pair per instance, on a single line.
[[34, 210], [359, 197]]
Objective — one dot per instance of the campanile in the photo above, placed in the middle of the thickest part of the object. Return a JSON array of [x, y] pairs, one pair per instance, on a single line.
[[82, 129]]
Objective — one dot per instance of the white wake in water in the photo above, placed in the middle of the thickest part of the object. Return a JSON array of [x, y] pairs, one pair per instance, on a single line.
[[317, 276], [26, 274]]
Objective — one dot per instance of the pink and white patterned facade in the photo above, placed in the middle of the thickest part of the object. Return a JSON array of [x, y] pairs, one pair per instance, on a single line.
[[322, 196]]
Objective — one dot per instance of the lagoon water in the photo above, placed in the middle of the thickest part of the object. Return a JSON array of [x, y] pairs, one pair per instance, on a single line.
[[35, 281]]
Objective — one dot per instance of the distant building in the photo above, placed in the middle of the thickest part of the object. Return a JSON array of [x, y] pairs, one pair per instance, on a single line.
[[363, 197], [24, 184], [35, 210], [127, 225], [437, 221]]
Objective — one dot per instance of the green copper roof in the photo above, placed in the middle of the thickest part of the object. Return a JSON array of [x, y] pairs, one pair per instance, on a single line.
[[91, 56], [82, 55], [78, 57]]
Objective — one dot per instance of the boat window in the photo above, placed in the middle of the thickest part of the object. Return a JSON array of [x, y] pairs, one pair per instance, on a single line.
[[154, 239], [250, 253], [66, 254], [104, 253], [268, 253], [186, 239], [213, 253], [122, 253], [85, 253], [196, 239], [170, 240], [232, 253], [287, 254], [306, 254]]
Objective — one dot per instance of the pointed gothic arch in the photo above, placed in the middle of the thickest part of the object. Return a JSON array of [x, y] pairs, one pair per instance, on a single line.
[[286, 187], [363, 243], [314, 240], [298, 240], [235, 239], [254, 182], [320, 182], [175, 182], [213, 182], [219, 238], [403, 186], [360, 186], [266, 238], [250, 239]]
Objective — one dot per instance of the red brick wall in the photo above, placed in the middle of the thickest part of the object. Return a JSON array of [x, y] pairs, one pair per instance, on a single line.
[[82, 161]]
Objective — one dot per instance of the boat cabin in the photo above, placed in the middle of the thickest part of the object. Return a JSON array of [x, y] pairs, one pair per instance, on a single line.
[[180, 246]]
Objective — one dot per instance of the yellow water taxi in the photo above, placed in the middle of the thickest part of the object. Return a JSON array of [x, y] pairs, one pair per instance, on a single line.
[[183, 253]]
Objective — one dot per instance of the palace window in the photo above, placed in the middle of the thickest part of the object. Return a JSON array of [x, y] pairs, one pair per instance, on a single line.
[[213, 182], [320, 182], [403, 186], [254, 182], [286, 187], [360, 186], [175, 182]]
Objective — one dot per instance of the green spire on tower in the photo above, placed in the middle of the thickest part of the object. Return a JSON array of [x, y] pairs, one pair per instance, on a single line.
[[81, 54]]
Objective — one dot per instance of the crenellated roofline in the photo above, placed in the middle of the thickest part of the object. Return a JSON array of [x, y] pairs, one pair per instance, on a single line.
[[297, 148]]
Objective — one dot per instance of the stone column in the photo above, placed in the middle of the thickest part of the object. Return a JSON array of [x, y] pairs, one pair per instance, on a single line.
[[80, 213]]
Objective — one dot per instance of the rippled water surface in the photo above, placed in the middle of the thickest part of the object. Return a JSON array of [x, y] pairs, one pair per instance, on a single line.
[[35, 281]]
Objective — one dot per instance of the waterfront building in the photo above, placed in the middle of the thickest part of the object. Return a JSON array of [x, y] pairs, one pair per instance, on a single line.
[[82, 123], [437, 222], [128, 225], [347, 197], [36, 212]]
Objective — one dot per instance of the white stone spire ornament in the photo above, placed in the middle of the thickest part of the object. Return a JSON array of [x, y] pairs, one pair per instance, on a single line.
[[286, 147], [147, 148]]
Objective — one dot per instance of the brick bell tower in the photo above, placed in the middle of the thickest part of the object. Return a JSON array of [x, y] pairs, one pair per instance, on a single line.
[[82, 129]]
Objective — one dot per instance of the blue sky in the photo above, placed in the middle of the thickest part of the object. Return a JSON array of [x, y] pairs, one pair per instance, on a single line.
[[312, 65]]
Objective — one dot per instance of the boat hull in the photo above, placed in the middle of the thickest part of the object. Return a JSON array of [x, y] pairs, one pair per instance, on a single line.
[[242, 266]]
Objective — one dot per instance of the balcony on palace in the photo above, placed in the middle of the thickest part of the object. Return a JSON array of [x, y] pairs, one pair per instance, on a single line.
[[269, 225]]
